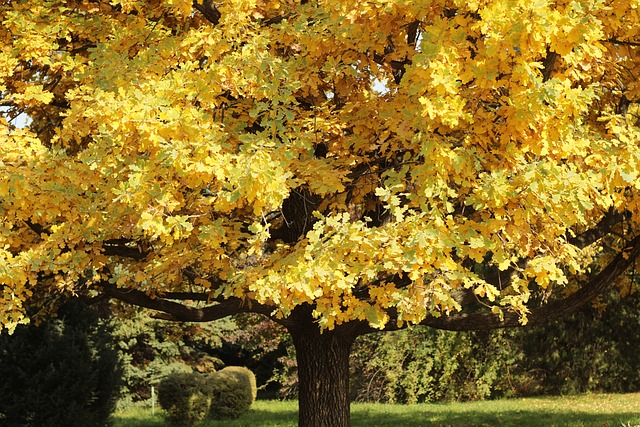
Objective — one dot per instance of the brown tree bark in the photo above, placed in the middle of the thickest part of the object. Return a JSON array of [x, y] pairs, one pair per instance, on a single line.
[[323, 375]]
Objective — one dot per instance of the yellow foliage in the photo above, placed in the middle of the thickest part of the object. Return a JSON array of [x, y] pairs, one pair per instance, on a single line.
[[364, 157]]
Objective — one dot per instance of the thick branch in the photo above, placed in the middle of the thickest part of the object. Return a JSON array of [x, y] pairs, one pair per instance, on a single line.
[[547, 312], [124, 251], [111, 247], [171, 310], [601, 229], [548, 64], [622, 42], [209, 10], [188, 296]]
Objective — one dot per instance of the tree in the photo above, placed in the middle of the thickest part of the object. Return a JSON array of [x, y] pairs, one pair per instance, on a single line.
[[63, 372], [152, 349], [338, 166]]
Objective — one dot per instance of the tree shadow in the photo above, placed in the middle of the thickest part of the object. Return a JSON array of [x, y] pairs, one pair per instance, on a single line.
[[255, 417], [137, 421]]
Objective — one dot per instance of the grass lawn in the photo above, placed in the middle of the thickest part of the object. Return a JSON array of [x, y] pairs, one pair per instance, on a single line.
[[602, 410]]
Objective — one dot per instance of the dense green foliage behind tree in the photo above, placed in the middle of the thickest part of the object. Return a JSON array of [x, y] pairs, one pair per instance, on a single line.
[[592, 350], [595, 349], [153, 348], [64, 372]]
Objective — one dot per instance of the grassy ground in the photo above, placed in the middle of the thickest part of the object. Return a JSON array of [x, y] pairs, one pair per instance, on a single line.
[[601, 410]]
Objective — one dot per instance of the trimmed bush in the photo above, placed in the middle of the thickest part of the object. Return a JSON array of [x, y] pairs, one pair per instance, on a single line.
[[245, 377], [232, 390], [183, 397], [64, 372]]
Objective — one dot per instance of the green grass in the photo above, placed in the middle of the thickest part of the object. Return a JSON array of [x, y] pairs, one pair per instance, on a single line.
[[601, 410]]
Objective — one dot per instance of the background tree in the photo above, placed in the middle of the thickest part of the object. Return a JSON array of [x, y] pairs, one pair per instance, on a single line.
[[151, 349], [65, 371], [340, 166], [590, 350]]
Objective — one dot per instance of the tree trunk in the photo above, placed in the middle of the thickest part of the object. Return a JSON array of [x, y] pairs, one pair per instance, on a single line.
[[323, 376]]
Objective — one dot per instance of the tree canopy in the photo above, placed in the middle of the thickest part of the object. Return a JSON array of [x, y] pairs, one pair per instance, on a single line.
[[327, 163]]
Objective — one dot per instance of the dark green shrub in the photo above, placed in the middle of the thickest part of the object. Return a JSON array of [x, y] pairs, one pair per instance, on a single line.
[[232, 391], [64, 372], [183, 397]]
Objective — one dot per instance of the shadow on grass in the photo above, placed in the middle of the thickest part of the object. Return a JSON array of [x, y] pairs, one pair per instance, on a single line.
[[140, 421], [257, 417], [533, 418]]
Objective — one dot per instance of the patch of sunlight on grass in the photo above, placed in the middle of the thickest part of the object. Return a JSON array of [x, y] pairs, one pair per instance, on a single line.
[[590, 410]]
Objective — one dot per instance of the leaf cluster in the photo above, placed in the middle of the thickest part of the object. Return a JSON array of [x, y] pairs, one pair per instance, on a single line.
[[388, 163]]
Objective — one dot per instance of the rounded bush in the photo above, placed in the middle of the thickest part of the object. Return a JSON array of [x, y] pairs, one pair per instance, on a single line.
[[232, 390], [183, 397], [244, 376]]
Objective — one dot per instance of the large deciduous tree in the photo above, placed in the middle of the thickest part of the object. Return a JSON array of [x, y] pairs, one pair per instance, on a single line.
[[341, 166]]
